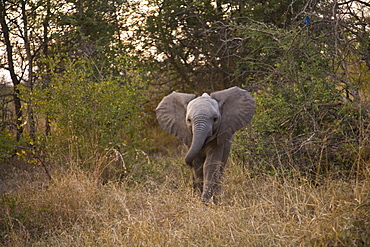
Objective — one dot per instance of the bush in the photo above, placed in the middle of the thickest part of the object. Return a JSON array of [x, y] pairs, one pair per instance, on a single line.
[[91, 116], [304, 119], [6, 146], [313, 137]]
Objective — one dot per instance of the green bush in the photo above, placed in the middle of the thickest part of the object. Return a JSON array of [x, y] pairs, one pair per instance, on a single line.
[[90, 116], [304, 120], [315, 138], [6, 146]]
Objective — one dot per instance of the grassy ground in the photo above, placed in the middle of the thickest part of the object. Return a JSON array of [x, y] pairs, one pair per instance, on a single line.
[[160, 209]]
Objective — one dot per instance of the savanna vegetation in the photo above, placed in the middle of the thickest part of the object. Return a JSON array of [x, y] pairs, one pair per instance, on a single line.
[[83, 161]]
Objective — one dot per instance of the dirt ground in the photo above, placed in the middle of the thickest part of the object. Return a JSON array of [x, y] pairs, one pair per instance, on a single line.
[[16, 174]]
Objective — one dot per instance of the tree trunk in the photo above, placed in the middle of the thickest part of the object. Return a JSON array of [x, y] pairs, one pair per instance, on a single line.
[[45, 50], [27, 45], [13, 76]]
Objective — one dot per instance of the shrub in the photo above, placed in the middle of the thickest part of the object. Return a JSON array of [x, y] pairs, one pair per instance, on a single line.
[[91, 116], [6, 146], [304, 119]]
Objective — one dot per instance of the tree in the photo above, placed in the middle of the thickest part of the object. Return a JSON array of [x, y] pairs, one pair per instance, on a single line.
[[9, 25], [311, 115], [35, 33], [199, 45], [298, 64], [23, 23], [92, 30]]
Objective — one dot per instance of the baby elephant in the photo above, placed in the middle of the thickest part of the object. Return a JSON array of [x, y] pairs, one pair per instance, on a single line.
[[206, 125]]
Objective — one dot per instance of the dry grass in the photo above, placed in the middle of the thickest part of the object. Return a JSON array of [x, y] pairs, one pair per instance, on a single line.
[[76, 210]]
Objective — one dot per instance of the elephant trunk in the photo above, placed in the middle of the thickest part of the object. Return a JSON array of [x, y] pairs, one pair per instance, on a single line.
[[200, 134]]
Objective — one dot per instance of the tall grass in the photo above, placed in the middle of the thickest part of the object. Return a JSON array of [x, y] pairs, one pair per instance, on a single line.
[[160, 209]]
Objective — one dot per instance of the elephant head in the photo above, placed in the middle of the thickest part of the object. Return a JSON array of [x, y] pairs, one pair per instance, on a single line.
[[198, 121]]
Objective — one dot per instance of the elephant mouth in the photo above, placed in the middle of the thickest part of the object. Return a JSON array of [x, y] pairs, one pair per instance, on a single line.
[[209, 139]]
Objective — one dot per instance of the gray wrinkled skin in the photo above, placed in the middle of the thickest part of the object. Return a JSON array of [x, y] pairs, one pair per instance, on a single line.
[[206, 124]]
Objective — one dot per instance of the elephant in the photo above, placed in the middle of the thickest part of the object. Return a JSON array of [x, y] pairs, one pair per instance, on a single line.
[[206, 125]]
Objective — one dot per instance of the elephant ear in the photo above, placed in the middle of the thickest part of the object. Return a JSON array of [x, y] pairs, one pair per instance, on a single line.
[[171, 114], [237, 109]]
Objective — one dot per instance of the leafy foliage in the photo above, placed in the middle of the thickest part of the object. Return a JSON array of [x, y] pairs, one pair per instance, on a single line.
[[307, 64], [6, 144], [89, 116], [87, 75], [304, 120]]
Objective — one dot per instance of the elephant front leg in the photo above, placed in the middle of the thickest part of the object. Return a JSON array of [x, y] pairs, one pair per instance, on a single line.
[[197, 174], [198, 179], [213, 170], [212, 184]]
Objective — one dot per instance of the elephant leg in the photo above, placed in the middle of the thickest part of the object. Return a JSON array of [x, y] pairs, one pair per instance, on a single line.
[[213, 170], [212, 185], [197, 176], [226, 151]]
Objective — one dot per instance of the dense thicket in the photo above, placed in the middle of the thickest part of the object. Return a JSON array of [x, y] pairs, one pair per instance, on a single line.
[[82, 73]]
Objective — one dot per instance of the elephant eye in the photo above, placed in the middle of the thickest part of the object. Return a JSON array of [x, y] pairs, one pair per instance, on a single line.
[[215, 119], [189, 120]]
